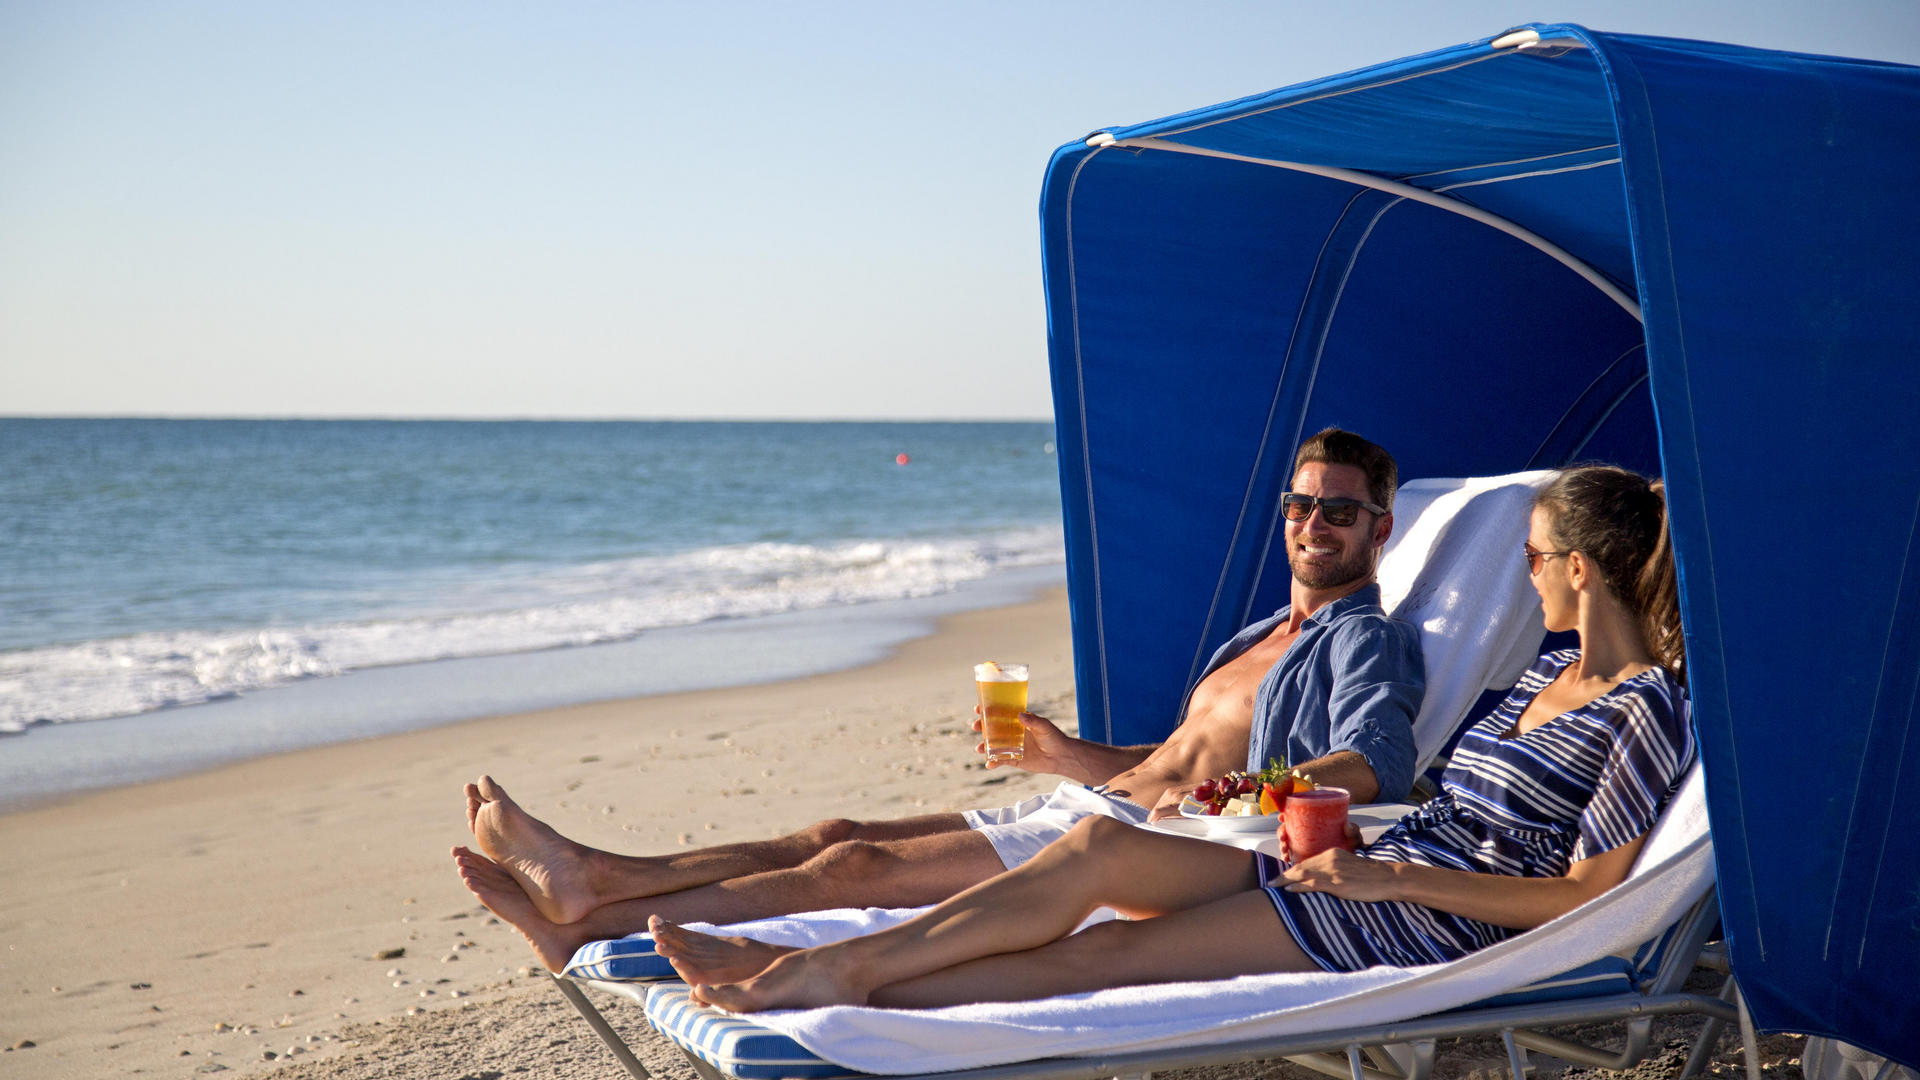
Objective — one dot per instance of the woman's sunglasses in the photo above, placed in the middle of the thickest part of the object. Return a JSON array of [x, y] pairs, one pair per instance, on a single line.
[[1337, 512], [1535, 558]]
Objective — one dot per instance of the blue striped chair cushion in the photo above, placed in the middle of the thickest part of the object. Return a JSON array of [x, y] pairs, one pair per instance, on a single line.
[[627, 959], [1607, 975], [739, 1047], [734, 1045]]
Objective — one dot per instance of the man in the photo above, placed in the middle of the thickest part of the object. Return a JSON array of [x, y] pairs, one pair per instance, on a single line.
[[1329, 683]]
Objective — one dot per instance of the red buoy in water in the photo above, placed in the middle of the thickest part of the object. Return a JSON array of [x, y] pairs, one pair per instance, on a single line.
[[901, 459]]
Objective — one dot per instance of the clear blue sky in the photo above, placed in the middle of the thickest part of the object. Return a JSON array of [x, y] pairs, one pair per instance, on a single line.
[[491, 208]]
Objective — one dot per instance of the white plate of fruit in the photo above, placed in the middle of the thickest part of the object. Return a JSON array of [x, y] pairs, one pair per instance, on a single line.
[[1242, 802]]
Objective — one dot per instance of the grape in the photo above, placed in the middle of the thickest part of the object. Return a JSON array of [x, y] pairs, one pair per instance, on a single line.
[[1204, 793], [1245, 786]]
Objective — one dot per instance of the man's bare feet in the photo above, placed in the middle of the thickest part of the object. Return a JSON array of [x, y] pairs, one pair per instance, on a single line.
[[552, 870], [502, 895], [711, 958], [806, 979]]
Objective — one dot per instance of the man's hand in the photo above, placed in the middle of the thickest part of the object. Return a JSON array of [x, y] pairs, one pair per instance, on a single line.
[[1169, 804], [1047, 749]]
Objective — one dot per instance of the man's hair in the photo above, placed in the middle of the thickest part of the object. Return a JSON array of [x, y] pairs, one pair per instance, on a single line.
[[1335, 447]]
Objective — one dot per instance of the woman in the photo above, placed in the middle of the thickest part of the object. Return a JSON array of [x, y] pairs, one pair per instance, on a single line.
[[1545, 806]]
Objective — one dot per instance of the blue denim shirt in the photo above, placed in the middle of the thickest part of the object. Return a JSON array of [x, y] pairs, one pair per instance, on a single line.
[[1352, 680]]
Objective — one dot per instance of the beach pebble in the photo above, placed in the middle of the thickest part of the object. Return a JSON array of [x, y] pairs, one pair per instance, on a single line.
[[23, 1044], [458, 993], [296, 993], [394, 973], [292, 1050], [415, 1010], [526, 971], [685, 838], [399, 983], [426, 993], [710, 826], [390, 954], [268, 1055], [588, 759], [606, 809], [211, 1067], [450, 958], [141, 986], [222, 1026]]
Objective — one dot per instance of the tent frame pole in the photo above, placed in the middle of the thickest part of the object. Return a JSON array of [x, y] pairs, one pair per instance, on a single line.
[[1406, 191]]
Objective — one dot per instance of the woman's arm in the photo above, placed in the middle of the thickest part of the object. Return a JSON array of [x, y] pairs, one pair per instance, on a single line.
[[1516, 902]]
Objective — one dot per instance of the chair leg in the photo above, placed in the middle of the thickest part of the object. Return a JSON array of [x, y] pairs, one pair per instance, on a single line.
[[1517, 1060], [601, 1028], [1709, 1036]]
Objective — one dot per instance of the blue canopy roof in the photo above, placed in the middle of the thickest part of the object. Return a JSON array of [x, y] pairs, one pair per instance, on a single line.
[[1452, 253]]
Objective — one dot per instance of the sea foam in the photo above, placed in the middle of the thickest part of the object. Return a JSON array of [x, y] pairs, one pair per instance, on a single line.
[[519, 612]]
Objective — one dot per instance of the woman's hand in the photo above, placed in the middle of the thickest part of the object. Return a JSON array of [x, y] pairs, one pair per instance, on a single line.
[[1353, 841], [1345, 875], [1047, 749]]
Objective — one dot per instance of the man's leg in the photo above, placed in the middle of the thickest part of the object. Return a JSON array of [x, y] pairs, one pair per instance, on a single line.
[[567, 881], [857, 873], [1198, 912]]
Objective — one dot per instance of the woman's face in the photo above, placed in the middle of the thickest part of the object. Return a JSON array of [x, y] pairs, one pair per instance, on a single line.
[[1559, 602]]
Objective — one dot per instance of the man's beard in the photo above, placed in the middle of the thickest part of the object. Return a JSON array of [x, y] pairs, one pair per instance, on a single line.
[[1353, 566]]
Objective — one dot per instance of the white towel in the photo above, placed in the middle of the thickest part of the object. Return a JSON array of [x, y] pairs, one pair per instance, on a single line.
[[1453, 569], [1674, 870]]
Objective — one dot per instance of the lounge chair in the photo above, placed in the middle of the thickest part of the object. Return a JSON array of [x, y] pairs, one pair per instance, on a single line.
[[1378, 1025]]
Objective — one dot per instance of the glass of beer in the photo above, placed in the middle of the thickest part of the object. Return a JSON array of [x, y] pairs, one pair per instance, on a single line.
[[1315, 820], [1003, 697]]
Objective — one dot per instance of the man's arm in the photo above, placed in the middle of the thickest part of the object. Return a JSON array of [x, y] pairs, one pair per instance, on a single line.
[[1050, 750], [1379, 680], [1344, 769]]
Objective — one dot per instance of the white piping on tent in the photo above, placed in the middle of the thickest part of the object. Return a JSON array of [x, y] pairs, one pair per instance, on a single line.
[[1408, 191]]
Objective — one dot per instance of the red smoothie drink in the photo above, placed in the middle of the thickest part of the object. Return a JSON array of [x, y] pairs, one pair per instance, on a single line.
[[1315, 820]]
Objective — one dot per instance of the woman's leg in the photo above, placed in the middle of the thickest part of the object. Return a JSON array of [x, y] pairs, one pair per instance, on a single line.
[[1136, 871], [1238, 935]]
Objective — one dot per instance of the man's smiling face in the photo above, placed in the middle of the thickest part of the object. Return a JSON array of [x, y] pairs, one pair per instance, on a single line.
[[1325, 556]]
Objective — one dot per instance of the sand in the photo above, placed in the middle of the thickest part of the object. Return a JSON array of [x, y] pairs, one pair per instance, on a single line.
[[245, 919]]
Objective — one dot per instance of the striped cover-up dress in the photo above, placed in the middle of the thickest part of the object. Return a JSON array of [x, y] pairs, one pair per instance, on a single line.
[[1527, 805]]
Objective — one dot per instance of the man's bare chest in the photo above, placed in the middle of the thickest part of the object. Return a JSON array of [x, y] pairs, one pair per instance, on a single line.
[[1229, 690]]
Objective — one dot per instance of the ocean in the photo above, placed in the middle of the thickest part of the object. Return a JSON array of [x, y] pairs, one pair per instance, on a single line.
[[155, 574]]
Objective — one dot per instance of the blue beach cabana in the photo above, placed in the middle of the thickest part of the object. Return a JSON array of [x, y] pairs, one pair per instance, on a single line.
[[1554, 245]]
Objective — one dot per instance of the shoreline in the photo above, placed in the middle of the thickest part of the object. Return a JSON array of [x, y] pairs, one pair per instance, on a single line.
[[48, 763], [213, 918]]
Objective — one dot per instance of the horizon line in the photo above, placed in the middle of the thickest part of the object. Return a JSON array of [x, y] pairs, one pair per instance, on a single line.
[[532, 418]]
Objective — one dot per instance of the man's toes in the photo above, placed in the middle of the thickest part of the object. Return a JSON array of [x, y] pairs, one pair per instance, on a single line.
[[490, 791]]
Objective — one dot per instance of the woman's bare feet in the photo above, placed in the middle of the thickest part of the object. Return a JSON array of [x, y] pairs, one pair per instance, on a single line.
[[711, 958], [501, 893], [554, 872], [806, 979]]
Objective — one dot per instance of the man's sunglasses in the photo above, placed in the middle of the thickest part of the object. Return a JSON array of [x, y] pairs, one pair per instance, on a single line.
[[1339, 512], [1535, 558]]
